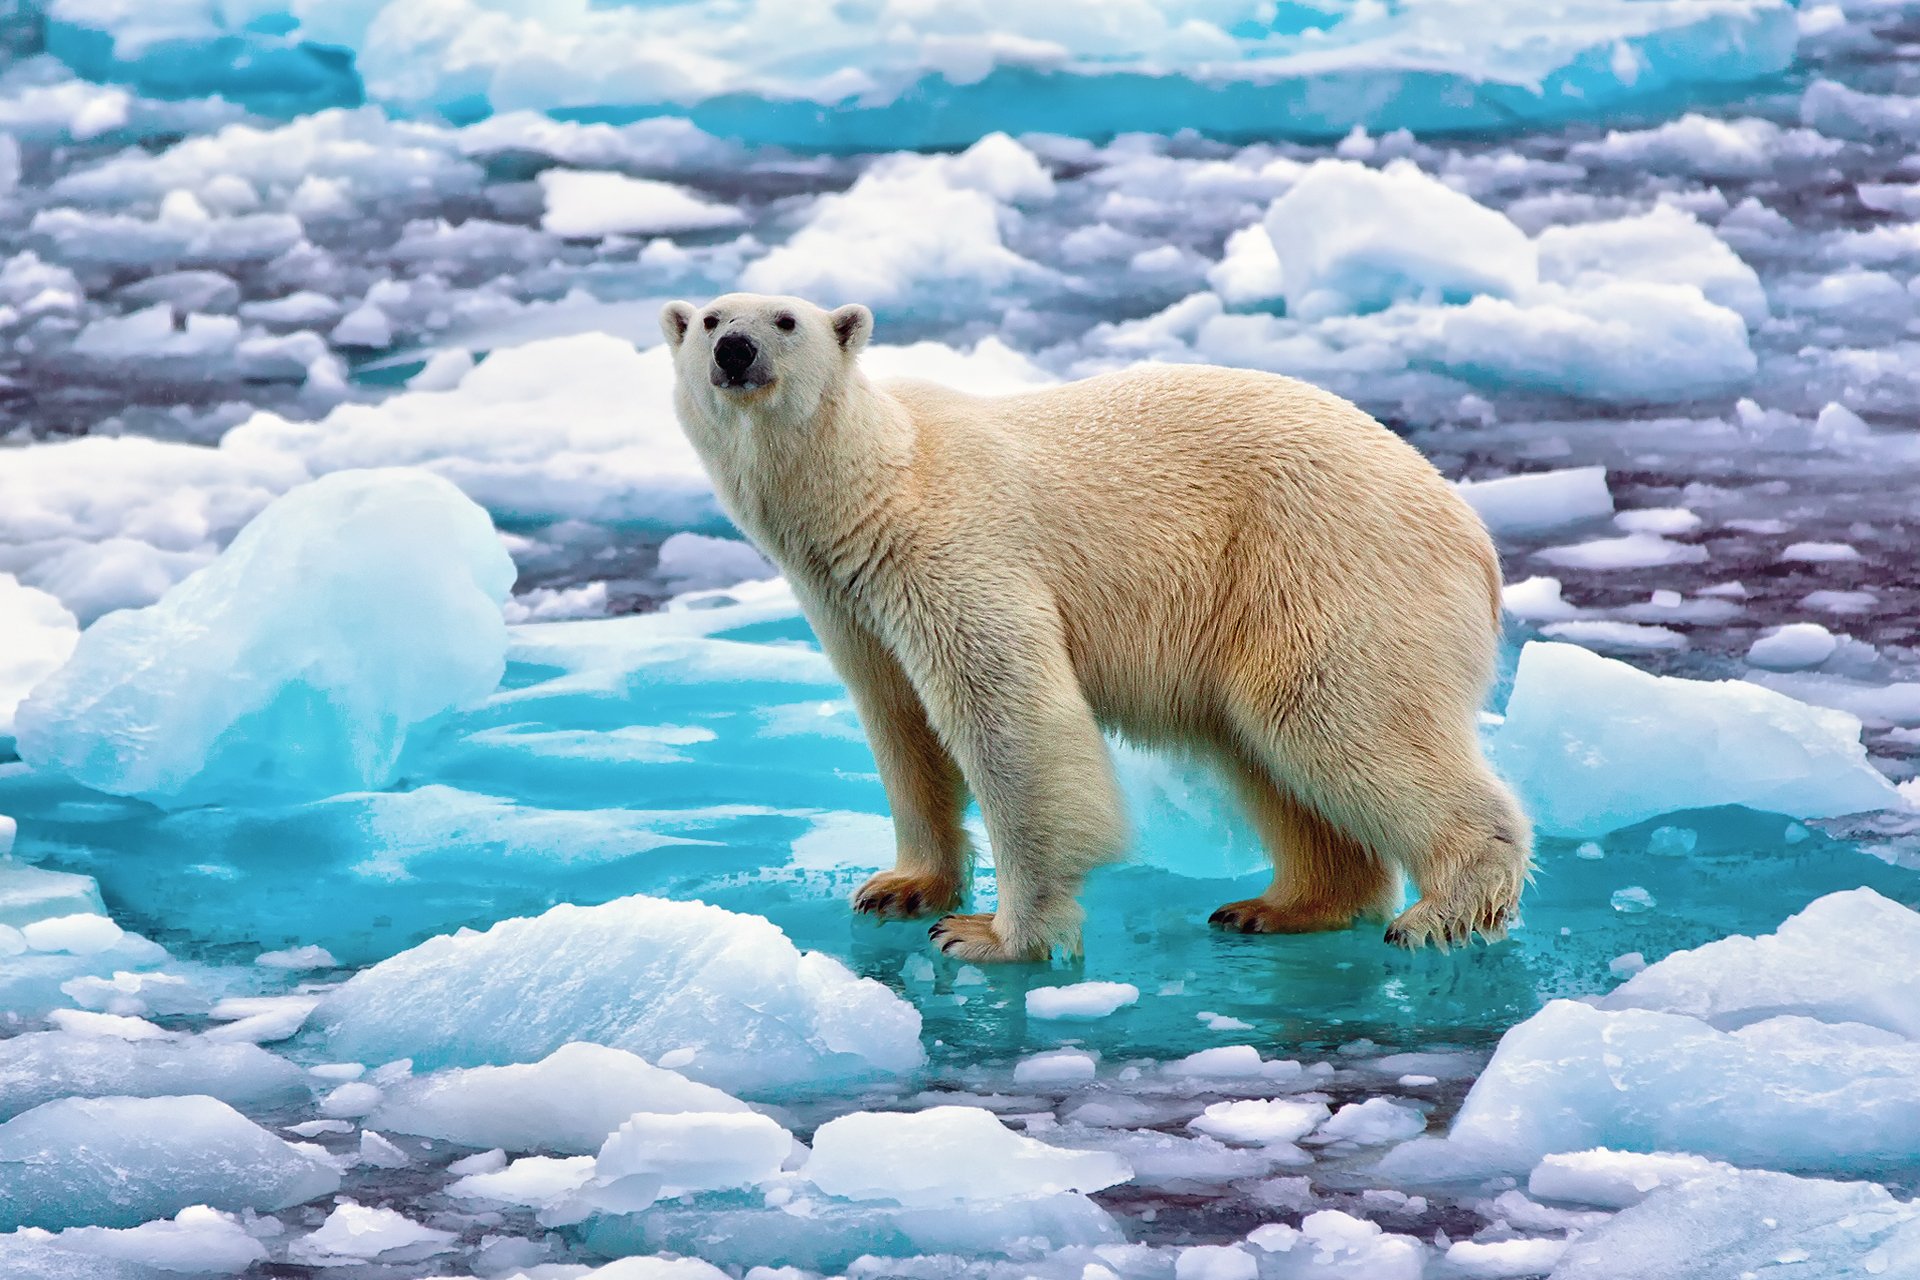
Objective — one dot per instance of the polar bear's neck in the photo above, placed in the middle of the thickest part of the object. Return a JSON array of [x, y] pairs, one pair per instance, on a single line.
[[812, 492]]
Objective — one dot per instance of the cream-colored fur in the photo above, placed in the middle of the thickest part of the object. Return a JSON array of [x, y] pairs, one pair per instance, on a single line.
[[1215, 559]]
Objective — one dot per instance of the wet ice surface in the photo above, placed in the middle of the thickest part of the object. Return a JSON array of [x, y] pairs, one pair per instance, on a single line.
[[1685, 322]]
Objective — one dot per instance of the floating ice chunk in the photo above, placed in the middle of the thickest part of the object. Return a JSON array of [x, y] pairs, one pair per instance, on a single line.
[[947, 1154], [1593, 745], [1373, 1122], [1537, 600], [37, 635], [696, 562], [1250, 274], [1660, 520], [1054, 1067], [912, 228], [297, 959], [346, 614], [41, 1066], [1231, 1061], [1751, 1222], [1820, 552], [1707, 147], [111, 522], [1256, 1120], [196, 1241], [118, 1162], [653, 1156], [363, 1233], [568, 1102], [1616, 637], [1339, 1246], [989, 368], [1080, 1001], [655, 1269], [1663, 246], [80, 935], [364, 326], [1840, 112], [538, 1182], [640, 974], [1215, 1262], [1499, 1259], [1540, 501], [588, 205], [1852, 956], [183, 233], [1341, 236], [579, 427], [1614, 1179], [1573, 1077], [1621, 342]]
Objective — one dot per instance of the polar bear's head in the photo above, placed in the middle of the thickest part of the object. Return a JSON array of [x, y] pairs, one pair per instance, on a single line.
[[768, 356]]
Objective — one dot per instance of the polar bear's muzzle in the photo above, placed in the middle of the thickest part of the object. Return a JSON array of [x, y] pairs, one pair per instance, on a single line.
[[739, 364]]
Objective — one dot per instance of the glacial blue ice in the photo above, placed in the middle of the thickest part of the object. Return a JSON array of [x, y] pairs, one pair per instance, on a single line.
[[1304, 70], [119, 1162], [727, 995], [246, 683]]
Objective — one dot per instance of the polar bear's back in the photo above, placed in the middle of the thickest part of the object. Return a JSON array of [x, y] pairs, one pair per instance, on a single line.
[[1172, 501]]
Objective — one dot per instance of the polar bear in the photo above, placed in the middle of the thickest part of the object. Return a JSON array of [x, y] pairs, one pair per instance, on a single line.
[[1225, 562]]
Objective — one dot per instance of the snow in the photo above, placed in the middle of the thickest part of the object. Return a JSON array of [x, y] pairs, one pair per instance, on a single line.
[[587, 204], [118, 1162], [1080, 1001], [1341, 233], [567, 1102], [640, 974], [1593, 744], [946, 1154], [295, 666]]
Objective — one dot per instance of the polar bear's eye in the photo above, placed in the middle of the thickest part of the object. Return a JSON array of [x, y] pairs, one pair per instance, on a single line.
[[784, 324], [711, 323]]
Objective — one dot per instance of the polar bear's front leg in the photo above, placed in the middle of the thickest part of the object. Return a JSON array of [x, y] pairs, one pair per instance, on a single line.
[[1002, 692], [925, 791]]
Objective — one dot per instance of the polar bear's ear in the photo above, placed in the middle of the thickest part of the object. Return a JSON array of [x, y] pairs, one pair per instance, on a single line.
[[674, 319], [853, 325]]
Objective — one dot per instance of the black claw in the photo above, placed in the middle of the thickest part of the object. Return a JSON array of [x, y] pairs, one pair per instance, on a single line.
[[1396, 937]]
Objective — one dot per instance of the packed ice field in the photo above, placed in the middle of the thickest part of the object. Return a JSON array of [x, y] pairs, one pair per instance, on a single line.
[[431, 827]]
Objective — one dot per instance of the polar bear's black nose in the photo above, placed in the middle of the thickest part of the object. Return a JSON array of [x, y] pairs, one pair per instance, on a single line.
[[734, 354]]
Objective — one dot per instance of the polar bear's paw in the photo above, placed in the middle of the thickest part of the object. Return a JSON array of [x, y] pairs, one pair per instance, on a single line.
[[1450, 925], [973, 938], [1260, 915], [896, 895]]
